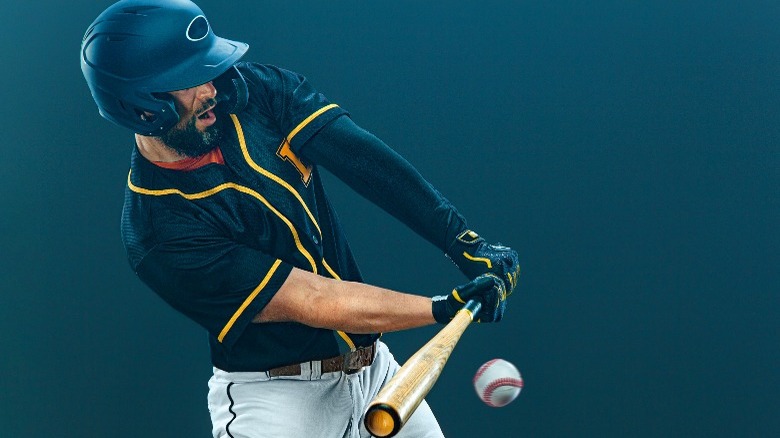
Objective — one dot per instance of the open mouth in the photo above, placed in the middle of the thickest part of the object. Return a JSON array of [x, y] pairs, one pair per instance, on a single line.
[[207, 115]]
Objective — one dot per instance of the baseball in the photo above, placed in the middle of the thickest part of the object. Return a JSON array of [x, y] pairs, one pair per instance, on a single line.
[[498, 382]]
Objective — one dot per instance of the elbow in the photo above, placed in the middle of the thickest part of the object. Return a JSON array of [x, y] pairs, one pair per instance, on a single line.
[[328, 306], [318, 304]]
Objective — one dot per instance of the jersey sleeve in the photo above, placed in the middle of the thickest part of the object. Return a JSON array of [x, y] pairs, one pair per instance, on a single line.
[[381, 175], [214, 281], [290, 99]]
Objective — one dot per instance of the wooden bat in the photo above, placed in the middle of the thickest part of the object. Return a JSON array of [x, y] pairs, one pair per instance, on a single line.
[[396, 402]]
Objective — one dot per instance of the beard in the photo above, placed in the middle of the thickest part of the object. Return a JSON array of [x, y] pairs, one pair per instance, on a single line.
[[191, 142]]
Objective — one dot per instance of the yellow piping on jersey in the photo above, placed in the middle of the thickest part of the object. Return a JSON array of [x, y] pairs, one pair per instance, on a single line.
[[219, 188], [306, 121], [248, 300], [330, 270], [343, 335], [347, 340], [266, 173]]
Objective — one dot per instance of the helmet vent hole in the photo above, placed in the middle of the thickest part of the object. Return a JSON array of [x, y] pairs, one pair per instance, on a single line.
[[88, 32], [145, 116], [138, 10]]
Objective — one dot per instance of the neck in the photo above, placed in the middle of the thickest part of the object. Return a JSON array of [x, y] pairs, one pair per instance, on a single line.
[[153, 149]]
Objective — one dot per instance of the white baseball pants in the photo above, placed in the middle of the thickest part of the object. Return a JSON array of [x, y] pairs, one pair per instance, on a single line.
[[329, 405]]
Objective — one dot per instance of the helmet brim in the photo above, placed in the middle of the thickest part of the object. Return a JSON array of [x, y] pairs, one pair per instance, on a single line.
[[200, 69]]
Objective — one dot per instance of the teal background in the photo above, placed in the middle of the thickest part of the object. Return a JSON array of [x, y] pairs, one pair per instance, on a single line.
[[628, 150]]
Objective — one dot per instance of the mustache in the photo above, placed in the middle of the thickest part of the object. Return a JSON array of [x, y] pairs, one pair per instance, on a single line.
[[211, 102]]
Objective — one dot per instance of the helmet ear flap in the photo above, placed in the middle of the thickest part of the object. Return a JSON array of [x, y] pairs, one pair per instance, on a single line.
[[232, 91], [158, 120]]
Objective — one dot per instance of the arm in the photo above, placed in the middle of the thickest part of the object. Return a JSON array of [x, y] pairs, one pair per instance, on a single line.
[[322, 302], [344, 305], [379, 174], [224, 286]]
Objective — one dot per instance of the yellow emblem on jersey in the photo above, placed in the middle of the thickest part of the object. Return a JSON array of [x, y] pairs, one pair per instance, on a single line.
[[286, 153]]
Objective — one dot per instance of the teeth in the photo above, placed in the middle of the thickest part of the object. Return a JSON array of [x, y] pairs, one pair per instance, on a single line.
[[205, 114]]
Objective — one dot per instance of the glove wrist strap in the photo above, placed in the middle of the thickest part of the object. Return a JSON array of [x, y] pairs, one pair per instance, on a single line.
[[440, 309]]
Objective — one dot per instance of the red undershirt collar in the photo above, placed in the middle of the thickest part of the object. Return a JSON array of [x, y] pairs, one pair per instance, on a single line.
[[188, 164]]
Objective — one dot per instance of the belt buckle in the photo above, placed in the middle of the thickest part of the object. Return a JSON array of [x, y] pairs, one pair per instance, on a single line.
[[353, 361]]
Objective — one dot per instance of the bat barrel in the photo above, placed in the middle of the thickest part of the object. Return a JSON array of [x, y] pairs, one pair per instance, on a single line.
[[396, 402]]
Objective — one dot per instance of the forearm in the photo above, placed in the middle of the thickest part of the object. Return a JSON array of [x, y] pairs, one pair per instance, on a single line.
[[353, 307], [379, 174]]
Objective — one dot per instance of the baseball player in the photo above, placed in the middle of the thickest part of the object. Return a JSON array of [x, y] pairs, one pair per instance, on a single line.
[[226, 219]]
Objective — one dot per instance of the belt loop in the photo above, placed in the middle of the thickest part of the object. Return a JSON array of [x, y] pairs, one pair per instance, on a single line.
[[306, 370], [316, 369]]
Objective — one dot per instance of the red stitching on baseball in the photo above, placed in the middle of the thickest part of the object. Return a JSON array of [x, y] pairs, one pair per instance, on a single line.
[[483, 368], [487, 394]]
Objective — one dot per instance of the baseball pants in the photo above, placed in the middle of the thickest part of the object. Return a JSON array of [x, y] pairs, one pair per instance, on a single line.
[[314, 404]]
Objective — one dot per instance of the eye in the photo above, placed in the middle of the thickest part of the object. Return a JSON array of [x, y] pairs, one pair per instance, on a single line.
[[198, 28]]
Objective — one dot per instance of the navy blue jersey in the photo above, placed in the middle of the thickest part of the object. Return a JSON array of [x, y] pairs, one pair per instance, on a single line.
[[217, 242]]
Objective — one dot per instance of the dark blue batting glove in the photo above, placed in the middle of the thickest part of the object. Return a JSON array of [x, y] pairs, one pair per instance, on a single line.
[[474, 257], [488, 289]]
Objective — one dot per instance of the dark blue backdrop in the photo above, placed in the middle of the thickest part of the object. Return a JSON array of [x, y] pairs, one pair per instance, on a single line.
[[628, 150]]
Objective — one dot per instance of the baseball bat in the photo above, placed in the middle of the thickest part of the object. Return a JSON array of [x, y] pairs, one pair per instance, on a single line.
[[395, 403]]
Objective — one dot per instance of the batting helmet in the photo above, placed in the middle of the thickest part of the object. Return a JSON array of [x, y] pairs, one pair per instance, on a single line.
[[137, 50]]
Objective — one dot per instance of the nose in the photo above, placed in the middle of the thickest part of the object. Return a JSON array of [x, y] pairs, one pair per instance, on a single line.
[[207, 91]]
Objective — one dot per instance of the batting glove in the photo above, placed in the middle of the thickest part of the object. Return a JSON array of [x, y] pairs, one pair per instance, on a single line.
[[474, 257], [488, 289]]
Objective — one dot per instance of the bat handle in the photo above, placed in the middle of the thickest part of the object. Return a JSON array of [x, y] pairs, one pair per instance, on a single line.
[[384, 420], [471, 306]]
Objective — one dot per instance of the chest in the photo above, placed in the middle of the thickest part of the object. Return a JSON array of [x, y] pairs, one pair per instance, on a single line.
[[276, 202]]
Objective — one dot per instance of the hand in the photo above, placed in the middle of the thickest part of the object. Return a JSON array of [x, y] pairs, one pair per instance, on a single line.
[[474, 257], [488, 289]]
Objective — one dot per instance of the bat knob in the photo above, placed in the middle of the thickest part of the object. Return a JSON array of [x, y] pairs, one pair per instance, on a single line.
[[380, 422]]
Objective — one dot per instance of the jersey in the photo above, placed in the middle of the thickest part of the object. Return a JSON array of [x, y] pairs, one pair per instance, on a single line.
[[217, 242]]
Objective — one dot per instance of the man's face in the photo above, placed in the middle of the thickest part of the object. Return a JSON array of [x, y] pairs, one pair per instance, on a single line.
[[197, 131]]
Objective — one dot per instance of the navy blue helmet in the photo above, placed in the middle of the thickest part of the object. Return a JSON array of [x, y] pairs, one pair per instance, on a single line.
[[137, 50]]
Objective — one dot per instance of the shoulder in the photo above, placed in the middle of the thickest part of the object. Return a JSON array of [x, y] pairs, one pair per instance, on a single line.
[[157, 201], [271, 88], [268, 76]]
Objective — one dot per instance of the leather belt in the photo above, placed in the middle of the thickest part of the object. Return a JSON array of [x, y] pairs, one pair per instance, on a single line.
[[349, 363]]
